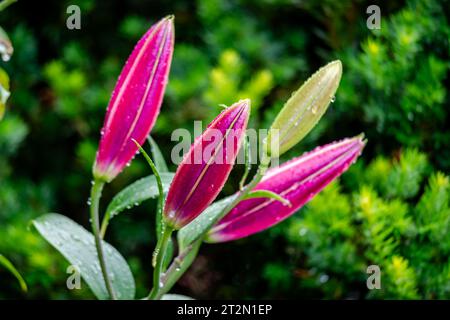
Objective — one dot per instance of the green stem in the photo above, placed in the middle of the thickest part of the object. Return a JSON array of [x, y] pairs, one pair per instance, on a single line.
[[158, 260], [104, 226], [178, 267], [96, 193]]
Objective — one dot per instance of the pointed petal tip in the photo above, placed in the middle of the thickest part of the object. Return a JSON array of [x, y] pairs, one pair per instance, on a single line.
[[241, 104], [336, 64], [362, 139], [244, 103], [335, 67]]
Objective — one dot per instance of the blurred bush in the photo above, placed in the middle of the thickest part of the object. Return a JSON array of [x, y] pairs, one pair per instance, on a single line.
[[392, 212], [396, 81], [403, 231]]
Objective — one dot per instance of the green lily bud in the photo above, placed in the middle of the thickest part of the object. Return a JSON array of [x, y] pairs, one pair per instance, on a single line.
[[304, 109]]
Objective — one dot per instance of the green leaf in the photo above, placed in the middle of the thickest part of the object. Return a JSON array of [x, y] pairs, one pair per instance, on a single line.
[[248, 162], [5, 4], [158, 158], [267, 194], [137, 192], [10, 267], [171, 296], [200, 225], [160, 186], [77, 245]]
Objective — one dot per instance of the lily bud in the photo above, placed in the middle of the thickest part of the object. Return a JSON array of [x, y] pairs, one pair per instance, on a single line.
[[304, 109], [205, 168], [297, 181], [136, 100]]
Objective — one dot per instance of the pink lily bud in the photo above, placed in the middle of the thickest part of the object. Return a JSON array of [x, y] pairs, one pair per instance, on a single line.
[[136, 100], [297, 180], [205, 168]]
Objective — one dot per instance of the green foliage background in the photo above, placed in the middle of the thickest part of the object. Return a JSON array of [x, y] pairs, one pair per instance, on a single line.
[[391, 209]]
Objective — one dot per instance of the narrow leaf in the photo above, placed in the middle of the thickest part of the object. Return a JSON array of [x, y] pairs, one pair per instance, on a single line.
[[137, 192], [4, 91], [158, 179], [267, 194], [158, 158], [77, 245], [200, 225], [10, 267]]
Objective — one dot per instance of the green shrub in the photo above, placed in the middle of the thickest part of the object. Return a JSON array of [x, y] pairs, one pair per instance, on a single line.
[[403, 231]]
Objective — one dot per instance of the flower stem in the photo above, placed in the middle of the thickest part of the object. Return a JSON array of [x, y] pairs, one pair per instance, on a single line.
[[96, 193], [158, 260], [178, 267]]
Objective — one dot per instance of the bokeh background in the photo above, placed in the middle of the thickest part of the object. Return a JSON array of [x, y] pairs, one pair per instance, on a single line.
[[390, 209]]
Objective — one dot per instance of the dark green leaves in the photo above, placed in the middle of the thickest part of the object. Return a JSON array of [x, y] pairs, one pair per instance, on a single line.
[[77, 245]]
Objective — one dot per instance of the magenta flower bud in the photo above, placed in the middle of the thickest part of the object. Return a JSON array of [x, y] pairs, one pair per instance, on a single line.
[[298, 181], [136, 100], [205, 168]]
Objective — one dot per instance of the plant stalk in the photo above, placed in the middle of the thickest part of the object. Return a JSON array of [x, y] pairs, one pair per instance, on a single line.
[[96, 193], [158, 261]]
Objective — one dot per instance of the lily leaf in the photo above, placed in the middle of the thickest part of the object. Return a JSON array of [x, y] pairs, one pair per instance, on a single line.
[[77, 245], [158, 158], [4, 91], [10, 267]]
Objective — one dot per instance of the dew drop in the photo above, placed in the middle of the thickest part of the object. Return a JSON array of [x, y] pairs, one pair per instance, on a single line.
[[410, 116], [323, 278], [302, 232]]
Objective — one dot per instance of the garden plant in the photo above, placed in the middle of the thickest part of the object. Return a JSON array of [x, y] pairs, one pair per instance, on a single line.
[[236, 159]]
